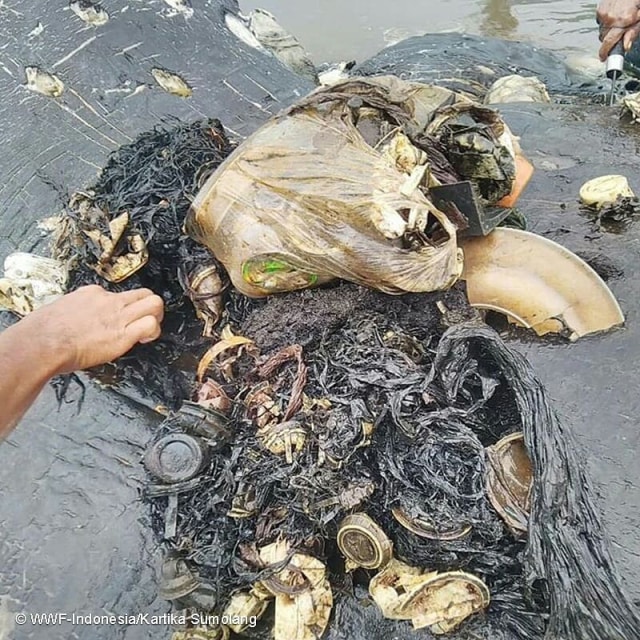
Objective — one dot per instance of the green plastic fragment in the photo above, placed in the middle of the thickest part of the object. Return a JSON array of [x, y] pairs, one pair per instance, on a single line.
[[273, 274]]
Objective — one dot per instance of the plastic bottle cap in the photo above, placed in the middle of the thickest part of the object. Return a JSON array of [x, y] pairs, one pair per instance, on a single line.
[[175, 458]]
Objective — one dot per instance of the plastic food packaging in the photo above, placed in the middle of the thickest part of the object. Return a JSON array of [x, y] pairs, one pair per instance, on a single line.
[[337, 186]]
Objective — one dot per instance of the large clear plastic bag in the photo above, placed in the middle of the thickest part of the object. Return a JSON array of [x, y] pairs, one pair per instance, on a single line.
[[337, 187]]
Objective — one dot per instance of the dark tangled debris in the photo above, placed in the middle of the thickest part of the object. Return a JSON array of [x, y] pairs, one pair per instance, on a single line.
[[345, 400], [154, 181], [434, 405], [616, 216]]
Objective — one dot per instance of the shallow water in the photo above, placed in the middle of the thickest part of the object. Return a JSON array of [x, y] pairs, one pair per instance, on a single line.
[[334, 30]]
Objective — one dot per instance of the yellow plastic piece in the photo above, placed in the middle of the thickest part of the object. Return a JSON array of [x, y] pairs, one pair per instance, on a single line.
[[537, 284], [605, 190]]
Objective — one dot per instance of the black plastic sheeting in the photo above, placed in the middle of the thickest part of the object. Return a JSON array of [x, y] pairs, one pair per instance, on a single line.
[[73, 534], [556, 553], [567, 548], [153, 180], [589, 380], [436, 404]]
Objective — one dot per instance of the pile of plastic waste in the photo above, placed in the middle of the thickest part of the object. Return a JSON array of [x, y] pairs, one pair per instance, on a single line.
[[364, 429]]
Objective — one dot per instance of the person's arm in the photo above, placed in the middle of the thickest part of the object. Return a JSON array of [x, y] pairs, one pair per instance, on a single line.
[[618, 20], [80, 330]]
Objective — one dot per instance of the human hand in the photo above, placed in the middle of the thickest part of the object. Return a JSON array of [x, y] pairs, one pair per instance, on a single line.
[[91, 326], [618, 20]]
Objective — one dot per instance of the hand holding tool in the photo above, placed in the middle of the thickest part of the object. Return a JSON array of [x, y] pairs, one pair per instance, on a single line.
[[614, 66]]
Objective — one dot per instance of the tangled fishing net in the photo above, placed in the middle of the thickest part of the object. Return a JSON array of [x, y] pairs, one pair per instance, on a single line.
[[325, 403]]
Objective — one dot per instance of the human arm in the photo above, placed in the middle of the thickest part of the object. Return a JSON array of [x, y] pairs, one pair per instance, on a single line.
[[80, 330], [618, 20]]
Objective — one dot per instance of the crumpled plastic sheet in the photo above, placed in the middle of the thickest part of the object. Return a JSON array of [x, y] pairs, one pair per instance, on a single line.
[[567, 556], [322, 191]]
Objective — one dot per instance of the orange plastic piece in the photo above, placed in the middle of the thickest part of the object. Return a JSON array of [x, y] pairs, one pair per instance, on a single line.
[[524, 171]]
